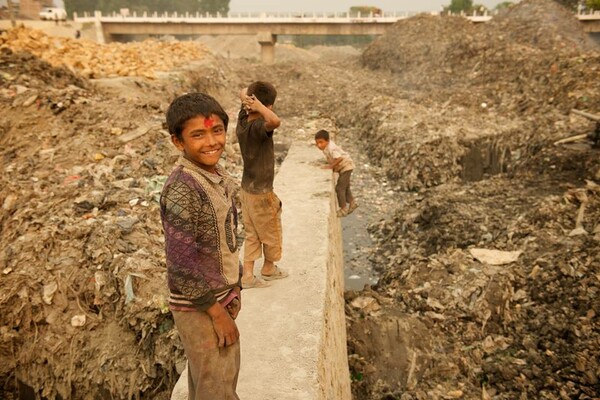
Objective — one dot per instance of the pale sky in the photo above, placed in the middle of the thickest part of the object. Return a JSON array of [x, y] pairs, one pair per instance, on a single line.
[[343, 5]]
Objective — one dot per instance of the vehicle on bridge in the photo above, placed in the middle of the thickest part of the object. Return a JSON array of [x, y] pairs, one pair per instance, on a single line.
[[53, 14]]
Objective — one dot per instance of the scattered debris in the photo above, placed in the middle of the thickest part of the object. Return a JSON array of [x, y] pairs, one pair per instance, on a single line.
[[93, 60], [495, 257]]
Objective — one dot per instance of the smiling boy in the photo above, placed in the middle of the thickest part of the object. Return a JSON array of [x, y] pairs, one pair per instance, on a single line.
[[203, 270]]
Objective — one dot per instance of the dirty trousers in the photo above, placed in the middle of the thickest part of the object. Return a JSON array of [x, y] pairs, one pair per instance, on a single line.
[[342, 189], [261, 214], [212, 370]]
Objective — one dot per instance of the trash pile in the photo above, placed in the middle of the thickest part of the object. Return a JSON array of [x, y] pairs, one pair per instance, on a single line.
[[493, 283], [489, 279], [93, 60], [481, 72], [541, 24], [433, 145], [401, 50]]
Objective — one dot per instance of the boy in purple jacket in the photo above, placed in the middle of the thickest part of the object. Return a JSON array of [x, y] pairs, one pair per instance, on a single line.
[[199, 221]]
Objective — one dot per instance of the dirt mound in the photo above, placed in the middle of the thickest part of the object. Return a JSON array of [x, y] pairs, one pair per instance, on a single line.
[[27, 70], [290, 53], [523, 64], [528, 326], [83, 302], [531, 56], [541, 24], [82, 242], [537, 55], [93, 60], [335, 53], [425, 43]]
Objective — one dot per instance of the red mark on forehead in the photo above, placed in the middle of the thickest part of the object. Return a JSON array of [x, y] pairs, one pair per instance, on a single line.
[[208, 122]]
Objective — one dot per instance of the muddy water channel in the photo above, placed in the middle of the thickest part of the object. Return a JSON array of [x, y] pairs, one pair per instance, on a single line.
[[375, 198]]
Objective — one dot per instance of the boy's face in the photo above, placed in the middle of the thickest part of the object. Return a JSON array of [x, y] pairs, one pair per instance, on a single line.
[[203, 141], [321, 143]]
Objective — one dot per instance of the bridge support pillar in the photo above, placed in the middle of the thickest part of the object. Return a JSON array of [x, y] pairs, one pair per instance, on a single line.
[[267, 47], [98, 25]]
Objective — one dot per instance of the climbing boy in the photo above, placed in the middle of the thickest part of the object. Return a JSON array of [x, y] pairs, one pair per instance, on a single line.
[[339, 161], [203, 270], [261, 208]]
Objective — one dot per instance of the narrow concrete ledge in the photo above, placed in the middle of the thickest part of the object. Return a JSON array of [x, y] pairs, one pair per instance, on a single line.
[[293, 334]]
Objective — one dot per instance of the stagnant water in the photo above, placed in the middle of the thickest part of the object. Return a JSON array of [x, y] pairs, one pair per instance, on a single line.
[[375, 198]]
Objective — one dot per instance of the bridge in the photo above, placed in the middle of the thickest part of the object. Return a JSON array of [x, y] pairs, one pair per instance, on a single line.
[[265, 26]]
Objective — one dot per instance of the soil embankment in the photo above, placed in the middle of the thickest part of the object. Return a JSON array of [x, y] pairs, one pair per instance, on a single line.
[[459, 120]]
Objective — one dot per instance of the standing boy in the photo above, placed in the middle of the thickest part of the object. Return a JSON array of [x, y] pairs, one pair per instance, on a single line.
[[339, 161], [199, 220], [261, 208]]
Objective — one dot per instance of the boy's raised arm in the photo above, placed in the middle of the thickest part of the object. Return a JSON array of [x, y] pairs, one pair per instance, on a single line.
[[251, 103]]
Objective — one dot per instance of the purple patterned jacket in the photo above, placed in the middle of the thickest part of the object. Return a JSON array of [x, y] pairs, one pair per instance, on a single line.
[[200, 223]]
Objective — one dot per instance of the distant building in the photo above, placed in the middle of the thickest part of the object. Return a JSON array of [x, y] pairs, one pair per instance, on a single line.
[[31, 8]]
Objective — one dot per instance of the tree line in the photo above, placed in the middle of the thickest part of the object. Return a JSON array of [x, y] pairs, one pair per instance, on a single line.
[[467, 6], [139, 6]]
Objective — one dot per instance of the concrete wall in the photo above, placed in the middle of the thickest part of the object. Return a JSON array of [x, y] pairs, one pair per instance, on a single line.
[[333, 363], [293, 334]]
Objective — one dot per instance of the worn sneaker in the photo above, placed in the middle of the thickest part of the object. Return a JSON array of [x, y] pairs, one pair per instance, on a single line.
[[341, 212], [353, 206]]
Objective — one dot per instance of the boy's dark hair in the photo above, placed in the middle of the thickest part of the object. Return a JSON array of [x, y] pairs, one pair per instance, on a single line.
[[322, 134], [189, 106], [264, 91]]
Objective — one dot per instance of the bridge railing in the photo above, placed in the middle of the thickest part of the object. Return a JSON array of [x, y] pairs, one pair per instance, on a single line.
[[583, 14], [245, 17]]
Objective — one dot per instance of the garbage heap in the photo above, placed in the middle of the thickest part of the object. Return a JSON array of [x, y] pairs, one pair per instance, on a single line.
[[531, 63], [491, 281]]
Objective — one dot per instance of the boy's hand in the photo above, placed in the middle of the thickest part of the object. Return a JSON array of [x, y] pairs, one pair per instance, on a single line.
[[225, 328], [251, 103], [235, 305], [326, 167]]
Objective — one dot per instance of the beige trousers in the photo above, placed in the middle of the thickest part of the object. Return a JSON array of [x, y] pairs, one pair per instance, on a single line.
[[212, 370], [261, 214]]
